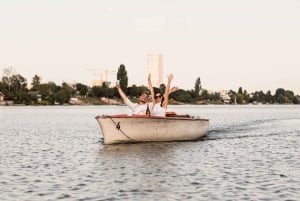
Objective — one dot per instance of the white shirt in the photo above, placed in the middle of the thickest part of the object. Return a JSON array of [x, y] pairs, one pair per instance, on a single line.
[[137, 109], [158, 110]]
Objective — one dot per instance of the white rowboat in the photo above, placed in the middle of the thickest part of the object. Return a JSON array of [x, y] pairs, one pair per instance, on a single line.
[[129, 129]]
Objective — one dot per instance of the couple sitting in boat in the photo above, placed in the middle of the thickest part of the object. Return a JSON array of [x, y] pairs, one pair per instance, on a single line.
[[158, 106]]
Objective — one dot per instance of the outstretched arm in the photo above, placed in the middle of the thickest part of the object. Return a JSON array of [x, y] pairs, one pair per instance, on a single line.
[[167, 92]]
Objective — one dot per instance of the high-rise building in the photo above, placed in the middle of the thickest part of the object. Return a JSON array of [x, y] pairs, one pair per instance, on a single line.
[[155, 68]]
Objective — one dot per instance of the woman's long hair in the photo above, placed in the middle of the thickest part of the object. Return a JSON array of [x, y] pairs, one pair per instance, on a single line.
[[162, 100]]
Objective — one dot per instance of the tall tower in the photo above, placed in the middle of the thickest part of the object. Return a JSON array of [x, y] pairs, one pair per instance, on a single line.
[[155, 68]]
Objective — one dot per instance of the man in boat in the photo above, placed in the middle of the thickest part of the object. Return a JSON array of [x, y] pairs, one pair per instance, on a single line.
[[136, 108]]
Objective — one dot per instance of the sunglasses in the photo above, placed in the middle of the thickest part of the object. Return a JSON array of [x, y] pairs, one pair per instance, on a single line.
[[159, 96]]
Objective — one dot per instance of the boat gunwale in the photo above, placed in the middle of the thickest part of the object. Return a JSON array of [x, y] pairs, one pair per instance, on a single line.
[[124, 116]]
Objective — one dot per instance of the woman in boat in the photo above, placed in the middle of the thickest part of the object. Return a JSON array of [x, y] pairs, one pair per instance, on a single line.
[[160, 101], [136, 108]]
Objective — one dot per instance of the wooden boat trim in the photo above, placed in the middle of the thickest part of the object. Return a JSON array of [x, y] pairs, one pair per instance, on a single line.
[[177, 117]]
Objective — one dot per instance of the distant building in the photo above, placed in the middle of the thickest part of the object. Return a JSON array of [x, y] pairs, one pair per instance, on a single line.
[[99, 83], [155, 68], [224, 94], [4, 102], [36, 94]]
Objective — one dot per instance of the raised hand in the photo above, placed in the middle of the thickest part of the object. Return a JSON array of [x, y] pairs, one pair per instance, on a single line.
[[173, 89], [149, 77], [170, 77]]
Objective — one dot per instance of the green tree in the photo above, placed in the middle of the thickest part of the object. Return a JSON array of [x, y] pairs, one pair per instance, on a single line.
[[122, 77], [132, 91], [289, 95], [240, 91], [239, 98], [18, 85], [296, 100], [53, 88], [259, 97], [62, 97], [70, 91], [7, 78], [97, 92], [269, 97], [204, 94], [44, 91], [48, 92], [197, 87], [110, 92], [280, 96], [246, 96], [36, 81], [82, 89], [232, 95], [181, 96]]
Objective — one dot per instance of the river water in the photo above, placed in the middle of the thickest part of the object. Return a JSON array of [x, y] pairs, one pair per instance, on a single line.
[[56, 153]]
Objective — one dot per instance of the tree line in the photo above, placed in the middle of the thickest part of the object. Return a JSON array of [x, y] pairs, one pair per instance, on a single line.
[[15, 88]]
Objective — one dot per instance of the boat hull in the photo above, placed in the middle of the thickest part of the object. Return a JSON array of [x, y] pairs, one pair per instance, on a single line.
[[126, 129]]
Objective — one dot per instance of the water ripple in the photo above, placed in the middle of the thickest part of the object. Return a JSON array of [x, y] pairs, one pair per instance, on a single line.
[[250, 153]]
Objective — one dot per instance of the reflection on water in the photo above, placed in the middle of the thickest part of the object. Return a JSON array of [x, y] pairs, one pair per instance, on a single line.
[[51, 153]]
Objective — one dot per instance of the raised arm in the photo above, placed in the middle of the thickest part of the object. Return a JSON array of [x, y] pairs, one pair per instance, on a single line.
[[150, 87], [122, 94], [167, 92]]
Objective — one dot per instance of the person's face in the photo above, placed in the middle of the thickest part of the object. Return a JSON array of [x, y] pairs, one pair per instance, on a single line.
[[158, 97], [144, 98]]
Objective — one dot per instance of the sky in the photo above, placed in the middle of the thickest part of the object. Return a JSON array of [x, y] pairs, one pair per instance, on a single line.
[[253, 44]]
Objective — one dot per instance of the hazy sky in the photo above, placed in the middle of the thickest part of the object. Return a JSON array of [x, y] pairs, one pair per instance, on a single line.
[[254, 44]]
